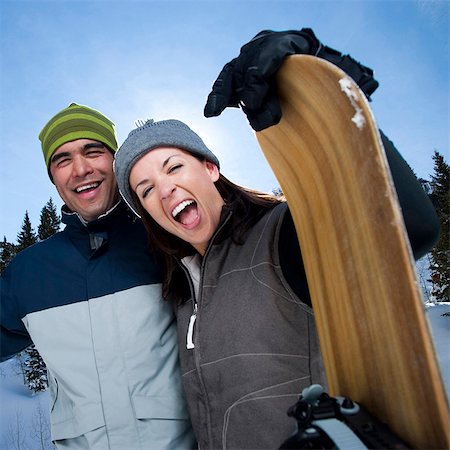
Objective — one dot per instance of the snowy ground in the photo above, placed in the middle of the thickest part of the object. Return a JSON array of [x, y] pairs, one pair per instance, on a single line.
[[24, 418], [440, 329]]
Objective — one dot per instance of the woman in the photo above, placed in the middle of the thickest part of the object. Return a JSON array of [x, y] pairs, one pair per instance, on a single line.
[[247, 336]]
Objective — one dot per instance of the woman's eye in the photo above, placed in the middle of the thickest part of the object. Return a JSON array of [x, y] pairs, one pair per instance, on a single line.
[[146, 191], [174, 168]]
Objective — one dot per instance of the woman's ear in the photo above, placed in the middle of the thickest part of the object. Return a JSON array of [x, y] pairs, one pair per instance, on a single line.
[[212, 171]]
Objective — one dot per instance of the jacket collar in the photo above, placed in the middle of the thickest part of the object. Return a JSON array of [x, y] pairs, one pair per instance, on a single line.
[[74, 220], [91, 237], [222, 231]]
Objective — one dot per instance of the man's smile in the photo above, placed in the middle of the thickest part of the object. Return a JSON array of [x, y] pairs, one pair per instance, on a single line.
[[87, 187]]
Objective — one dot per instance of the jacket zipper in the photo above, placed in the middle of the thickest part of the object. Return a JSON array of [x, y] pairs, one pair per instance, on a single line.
[[190, 332]]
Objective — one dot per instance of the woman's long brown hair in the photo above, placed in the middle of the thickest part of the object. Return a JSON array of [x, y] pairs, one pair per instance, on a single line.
[[247, 206]]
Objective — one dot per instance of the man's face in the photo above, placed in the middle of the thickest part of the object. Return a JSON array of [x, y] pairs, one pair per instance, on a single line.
[[83, 175]]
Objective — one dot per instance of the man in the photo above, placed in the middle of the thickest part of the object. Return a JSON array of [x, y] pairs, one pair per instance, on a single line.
[[89, 298]]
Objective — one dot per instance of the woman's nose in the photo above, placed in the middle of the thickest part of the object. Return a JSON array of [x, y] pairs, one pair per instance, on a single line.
[[167, 189]]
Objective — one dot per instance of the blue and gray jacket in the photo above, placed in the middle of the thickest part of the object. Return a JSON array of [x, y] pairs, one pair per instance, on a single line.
[[89, 298]]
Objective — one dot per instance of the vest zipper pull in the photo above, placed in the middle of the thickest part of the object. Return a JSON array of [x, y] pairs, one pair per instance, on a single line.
[[190, 332]]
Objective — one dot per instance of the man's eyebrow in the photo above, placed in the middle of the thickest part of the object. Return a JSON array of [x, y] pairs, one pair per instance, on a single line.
[[58, 156], [93, 145]]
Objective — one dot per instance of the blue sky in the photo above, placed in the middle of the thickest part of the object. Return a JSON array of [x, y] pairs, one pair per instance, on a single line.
[[157, 59]]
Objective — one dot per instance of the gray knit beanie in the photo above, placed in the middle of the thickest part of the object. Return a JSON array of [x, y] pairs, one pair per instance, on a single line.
[[150, 135]]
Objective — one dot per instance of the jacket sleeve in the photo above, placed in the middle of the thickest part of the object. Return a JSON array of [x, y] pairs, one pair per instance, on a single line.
[[421, 222], [419, 214], [291, 260], [13, 336]]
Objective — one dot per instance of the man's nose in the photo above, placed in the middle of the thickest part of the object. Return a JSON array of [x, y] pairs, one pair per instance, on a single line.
[[81, 166]]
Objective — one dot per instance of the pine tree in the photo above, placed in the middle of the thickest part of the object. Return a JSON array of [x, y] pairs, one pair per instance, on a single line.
[[35, 370], [49, 221], [7, 253], [26, 236], [440, 255], [426, 185]]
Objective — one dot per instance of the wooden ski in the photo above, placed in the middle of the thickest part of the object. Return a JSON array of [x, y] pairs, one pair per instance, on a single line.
[[329, 160]]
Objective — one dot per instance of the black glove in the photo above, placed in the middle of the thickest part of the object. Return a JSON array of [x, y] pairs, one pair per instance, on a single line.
[[248, 80], [362, 75]]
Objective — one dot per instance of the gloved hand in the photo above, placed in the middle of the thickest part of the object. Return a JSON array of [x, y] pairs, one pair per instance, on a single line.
[[248, 81]]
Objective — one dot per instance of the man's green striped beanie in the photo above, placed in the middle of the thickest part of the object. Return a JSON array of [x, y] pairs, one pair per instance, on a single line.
[[76, 122]]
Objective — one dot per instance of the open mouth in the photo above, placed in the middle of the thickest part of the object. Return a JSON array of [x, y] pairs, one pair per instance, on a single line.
[[87, 187], [185, 212]]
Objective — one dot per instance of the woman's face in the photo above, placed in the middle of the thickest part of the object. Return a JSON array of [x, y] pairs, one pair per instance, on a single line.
[[178, 191]]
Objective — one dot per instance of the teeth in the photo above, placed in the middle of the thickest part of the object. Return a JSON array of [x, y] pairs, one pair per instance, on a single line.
[[181, 206], [85, 187]]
